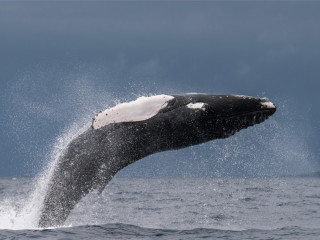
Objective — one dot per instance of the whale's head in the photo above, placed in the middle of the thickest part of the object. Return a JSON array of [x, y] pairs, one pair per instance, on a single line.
[[202, 117]]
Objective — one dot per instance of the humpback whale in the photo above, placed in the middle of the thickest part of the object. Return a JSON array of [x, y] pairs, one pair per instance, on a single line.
[[130, 131]]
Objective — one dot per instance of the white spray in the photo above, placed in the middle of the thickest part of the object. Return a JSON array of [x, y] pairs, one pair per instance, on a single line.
[[25, 213]]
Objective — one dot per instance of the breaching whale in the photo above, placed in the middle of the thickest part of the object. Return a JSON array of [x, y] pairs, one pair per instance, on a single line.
[[130, 131]]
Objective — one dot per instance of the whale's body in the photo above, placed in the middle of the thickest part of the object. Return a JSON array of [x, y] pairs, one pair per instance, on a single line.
[[130, 131]]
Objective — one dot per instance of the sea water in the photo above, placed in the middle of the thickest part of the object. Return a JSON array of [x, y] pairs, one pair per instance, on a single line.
[[167, 208]]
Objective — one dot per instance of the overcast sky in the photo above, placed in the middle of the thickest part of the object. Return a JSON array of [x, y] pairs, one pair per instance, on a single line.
[[61, 62]]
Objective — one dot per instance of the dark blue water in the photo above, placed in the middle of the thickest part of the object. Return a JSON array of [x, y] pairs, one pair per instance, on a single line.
[[272, 208]]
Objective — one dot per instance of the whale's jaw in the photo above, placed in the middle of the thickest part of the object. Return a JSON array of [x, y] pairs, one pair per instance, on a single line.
[[234, 124]]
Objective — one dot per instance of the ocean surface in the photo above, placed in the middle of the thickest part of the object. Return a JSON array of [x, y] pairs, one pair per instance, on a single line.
[[214, 208]]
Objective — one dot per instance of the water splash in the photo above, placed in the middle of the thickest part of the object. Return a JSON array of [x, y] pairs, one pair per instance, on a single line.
[[17, 213]]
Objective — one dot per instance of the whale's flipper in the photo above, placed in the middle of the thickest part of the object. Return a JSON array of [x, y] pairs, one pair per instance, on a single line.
[[130, 131]]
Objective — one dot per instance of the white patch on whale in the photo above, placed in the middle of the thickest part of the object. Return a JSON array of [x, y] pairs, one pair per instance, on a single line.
[[198, 105], [267, 105], [141, 109]]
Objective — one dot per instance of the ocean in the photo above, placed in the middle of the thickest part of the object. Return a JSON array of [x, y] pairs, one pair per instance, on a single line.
[[168, 208]]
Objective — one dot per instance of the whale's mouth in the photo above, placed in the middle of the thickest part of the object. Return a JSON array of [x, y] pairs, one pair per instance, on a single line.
[[232, 124]]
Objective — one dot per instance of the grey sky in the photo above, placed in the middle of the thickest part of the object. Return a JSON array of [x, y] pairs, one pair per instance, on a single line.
[[63, 61]]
